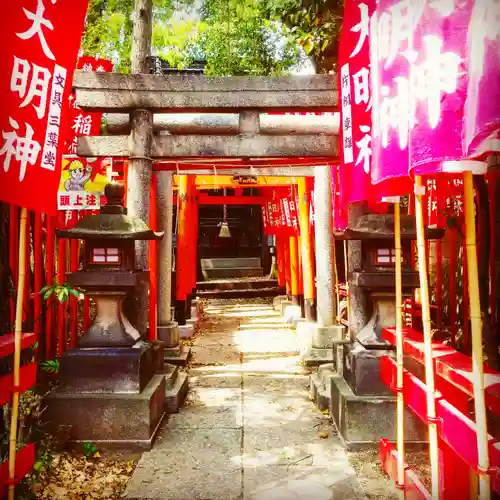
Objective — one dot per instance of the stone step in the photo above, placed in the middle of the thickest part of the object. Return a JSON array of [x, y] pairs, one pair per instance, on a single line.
[[229, 284], [174, 398], [240, 294], [171, 373], [236, 272], [228, 263]]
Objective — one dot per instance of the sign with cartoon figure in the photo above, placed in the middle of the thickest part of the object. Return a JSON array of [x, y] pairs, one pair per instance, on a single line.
[[82, 183], [37, 59]]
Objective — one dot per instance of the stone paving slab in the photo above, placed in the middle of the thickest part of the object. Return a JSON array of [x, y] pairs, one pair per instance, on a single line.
[[259, 363], [212, 408], [214, 354], [249, 429], [205, 377], [264, 383], [190, 464], [291, 445], [300, 483]]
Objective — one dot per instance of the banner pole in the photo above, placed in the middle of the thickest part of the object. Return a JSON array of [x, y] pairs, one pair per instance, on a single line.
[[399, 352], [17, 352], [346, 275], [432, 421], [477, 340]]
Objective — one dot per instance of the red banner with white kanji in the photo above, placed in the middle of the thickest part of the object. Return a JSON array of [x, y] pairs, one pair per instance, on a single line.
[[280, 213], [444, 200], [83, 123], [39, 42], [355, 102]]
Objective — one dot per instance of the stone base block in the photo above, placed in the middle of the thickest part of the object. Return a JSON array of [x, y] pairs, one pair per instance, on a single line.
[[186, 331], [168, 334], [177, 387], [106, 370], [315, 342], [177, 355], [311, 335], [320, 386], [123, 421], [362, 420], [277, 302], [362, 370], [316, 357], [194, 322], [291, 313]]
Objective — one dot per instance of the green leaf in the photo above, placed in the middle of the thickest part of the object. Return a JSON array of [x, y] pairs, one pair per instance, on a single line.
[[48, 293], [50, 366], [308, 47]]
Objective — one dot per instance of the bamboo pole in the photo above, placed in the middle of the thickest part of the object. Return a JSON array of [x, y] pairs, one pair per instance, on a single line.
[[346, 274], [336, 277], [17, 352], [399, 351], [477, 341], [426, 321]]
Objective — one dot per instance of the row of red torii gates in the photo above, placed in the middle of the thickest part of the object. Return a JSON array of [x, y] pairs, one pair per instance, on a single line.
[[247, 150]]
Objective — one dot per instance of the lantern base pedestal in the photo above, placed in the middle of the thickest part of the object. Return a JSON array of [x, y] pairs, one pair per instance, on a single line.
[[175, 353], [110, 421], [315, 342], [362, 420], [119, 370]]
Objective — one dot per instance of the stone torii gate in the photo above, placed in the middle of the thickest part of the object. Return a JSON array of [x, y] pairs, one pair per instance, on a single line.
[[143, 96]]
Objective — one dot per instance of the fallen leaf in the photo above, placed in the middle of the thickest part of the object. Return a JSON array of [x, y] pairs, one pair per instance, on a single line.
[[323, 434]]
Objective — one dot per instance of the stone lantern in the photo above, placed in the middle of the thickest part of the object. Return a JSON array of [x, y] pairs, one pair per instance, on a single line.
[[111, 387], [109, 271], [359, 392]]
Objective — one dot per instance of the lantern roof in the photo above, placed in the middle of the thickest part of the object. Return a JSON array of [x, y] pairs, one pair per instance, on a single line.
[[381, 227], [112, 222]]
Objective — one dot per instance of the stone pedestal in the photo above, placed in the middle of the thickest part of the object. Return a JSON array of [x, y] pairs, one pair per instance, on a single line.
[[186, 331], [277, 302], [316, 342], [110, 396], [362, 420], [175, 352], [292, 313]]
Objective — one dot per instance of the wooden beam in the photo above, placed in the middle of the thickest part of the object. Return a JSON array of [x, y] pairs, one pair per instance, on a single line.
[[213, 146], [158, 93]]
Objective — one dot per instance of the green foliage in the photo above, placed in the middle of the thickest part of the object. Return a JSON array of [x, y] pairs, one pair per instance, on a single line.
[[31, 429], [239, 39], [234, 37], [314, 24], [89, 449], [62, 292], [109, 25], [50, 366]]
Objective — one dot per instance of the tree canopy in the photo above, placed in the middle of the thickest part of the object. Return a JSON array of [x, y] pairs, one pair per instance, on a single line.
[[234, 37]]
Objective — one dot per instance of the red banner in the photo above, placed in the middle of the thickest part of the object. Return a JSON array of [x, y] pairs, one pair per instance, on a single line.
[[356, 102], [445, 200], [82, 123], [280, 216], [38, 57]]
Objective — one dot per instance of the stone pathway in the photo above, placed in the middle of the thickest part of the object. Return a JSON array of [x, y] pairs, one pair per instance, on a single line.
[[248, 430]]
